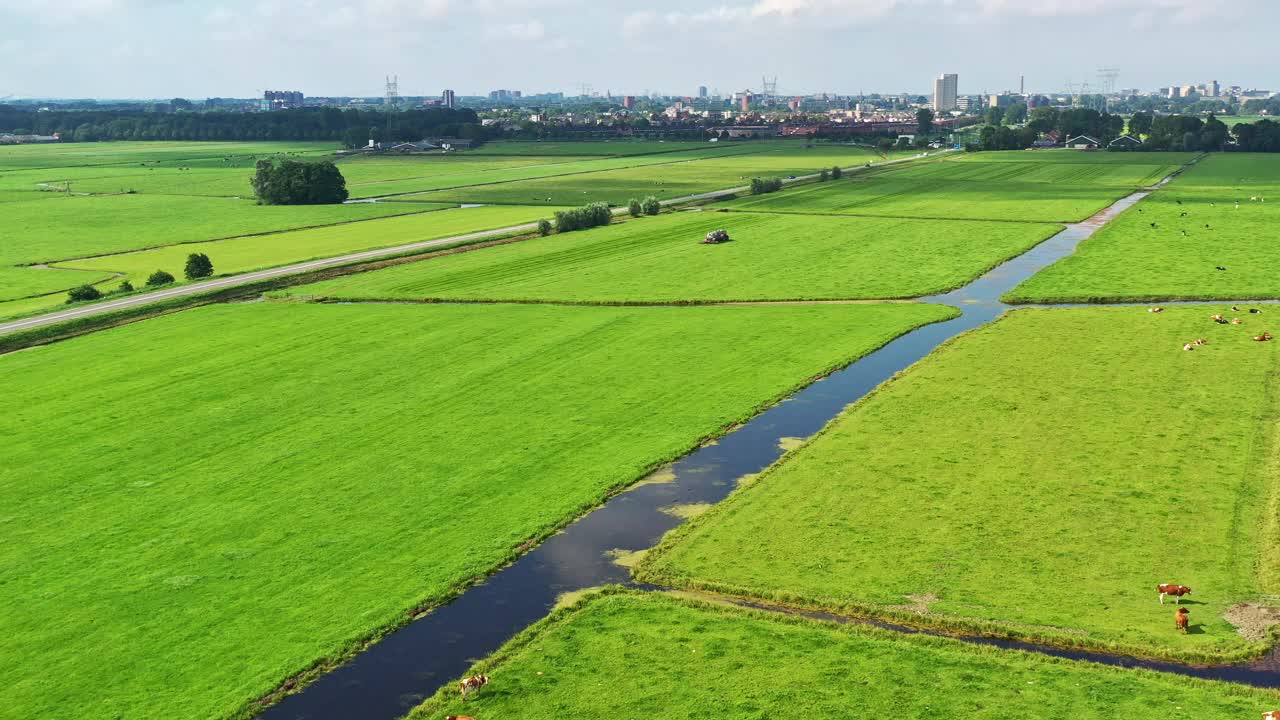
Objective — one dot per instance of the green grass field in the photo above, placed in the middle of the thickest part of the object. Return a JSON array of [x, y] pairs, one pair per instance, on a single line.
[[1178, 257], [661, 259], [1038, 477], [203, 504], [74, 227], [627, 655], [983, 186]]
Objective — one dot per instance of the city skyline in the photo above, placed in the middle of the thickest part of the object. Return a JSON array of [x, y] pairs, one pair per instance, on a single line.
[[133, 49]]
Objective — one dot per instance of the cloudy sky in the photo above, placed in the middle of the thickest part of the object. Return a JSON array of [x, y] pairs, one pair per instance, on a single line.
[[237, 48]]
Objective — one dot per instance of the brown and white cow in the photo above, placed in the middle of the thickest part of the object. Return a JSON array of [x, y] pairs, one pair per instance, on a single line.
[[1172, 589], [1182, 619], [1271, 715], [458, 717], [472, 684]]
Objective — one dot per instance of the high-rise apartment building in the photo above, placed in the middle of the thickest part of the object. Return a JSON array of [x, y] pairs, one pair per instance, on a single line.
[[944, 92], [448, 100], [702, 91]]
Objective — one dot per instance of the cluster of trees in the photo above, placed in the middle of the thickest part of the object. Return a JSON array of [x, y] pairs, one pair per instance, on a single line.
[[1262, 136], [351, 126], [1011, 115], [290, 182], [1157, 132], [649, 206], [833, 173], [761, 186], [588, 216], [198, 266]]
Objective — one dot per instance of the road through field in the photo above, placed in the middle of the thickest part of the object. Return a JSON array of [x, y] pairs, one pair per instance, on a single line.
[[249, 278], [388, 679]]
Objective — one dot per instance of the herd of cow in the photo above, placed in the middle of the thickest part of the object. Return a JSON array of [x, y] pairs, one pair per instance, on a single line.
[[1221, 320]]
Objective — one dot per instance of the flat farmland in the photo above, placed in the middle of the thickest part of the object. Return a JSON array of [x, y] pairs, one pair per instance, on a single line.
[[56, 229], [118, 153], [748, 665], [332, 467], [1046, 191], [661, 259], [666, 181], [1173, 243], [1036, 478], [372, 176]]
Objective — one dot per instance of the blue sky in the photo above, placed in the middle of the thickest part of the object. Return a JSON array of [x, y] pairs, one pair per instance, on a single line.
[[152, 48]]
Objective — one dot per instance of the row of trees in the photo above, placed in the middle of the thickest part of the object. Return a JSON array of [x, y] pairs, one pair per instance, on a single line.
[[351, 126], [198, 266], [588, 216], [762, 186], [1158, 132], [649, 206]]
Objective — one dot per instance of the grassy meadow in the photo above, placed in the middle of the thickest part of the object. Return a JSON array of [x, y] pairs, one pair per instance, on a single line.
[[661, 259], [1038, 478], [668, 658], [1171, 245], [1029, 187], [200, 505], [57, 155]]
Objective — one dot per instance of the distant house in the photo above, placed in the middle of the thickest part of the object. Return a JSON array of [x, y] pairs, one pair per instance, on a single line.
[[1083, 142], [1045, 143], [11, 139], [1125, 142], [450, 143]]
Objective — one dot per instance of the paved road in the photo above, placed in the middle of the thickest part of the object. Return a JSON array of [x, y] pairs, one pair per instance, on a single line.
[[284, 270]]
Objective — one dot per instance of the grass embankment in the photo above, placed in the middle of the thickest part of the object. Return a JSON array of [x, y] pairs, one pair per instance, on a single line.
[[661, 260], [201, 505], [1171, 245], [1054, 188], [1036, 478], [625, 655]]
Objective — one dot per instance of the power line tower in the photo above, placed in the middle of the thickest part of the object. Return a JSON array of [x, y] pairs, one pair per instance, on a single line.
[[768, 90], [390, 101], [1107, 77]]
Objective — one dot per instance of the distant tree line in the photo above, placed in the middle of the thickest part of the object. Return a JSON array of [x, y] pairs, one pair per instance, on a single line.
[[762, 186], [1157, 132], [351, 126]]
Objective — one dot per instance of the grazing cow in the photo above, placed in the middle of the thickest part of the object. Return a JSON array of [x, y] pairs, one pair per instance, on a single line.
[[1220, 268], [472, 684], [1155, 309], [1182, 619], [1264, 337], [1235, 308], [1172, 589], [1218, 319], [1271, 715]]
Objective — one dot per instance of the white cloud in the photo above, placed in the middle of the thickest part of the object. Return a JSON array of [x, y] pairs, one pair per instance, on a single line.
[[531, 31]]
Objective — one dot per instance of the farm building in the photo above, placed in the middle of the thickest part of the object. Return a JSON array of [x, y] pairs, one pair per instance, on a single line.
[[1083, 142], [1125, 142]]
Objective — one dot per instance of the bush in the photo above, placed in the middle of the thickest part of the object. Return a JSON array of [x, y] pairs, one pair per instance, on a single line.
[[652, 205], [760, 186], [290, 182], [125, 287], [589, 216], [159, 278], [824, 176], [633, 207], [836, 172], [83, 293], [198, 266], [544, 227]]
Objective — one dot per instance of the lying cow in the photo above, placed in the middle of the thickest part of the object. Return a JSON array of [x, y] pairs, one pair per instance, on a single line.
[[1182, 619], [458, 717], [472, 684], [1264, 337], [1272, 715], [1171, 589]]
